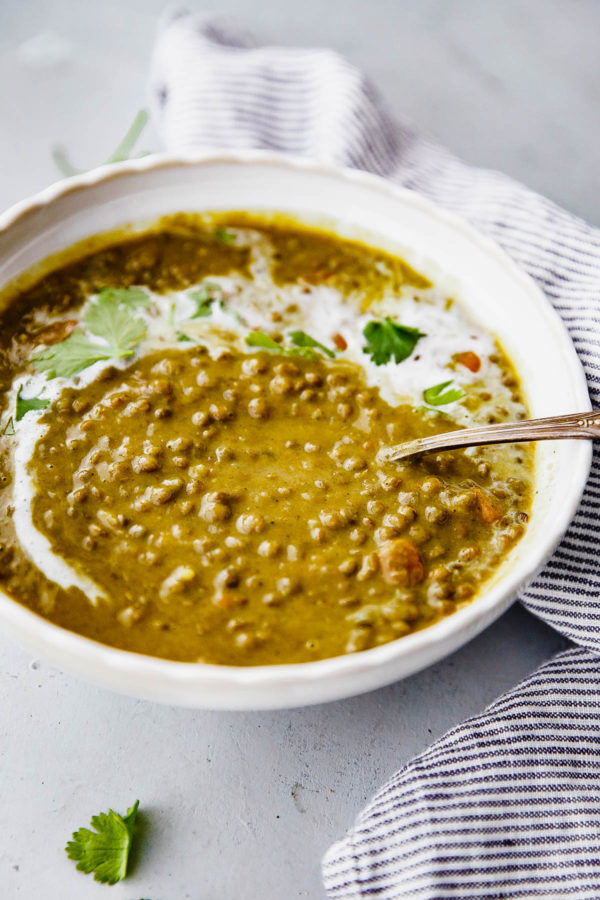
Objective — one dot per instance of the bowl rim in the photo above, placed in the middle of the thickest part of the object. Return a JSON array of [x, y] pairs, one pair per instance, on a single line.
[[59, 644]]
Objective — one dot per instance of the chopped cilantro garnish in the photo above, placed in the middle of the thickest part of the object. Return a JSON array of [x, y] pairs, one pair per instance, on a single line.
[[223, 235], [112, 317], [432, 412], [204, 297], [439, 396], [105, 851], [25, 405], [171, 314], [131, 297], [304, 344], [302, 339], [262, 340], [205, 300], [70, 356], [9, 428], [387, 340]]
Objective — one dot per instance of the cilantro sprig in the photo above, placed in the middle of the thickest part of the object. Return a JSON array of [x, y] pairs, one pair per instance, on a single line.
[[112, 318], [208, 297], [387, 340], [204, 297], [105, 851], [224, 236], [26, 404], [432, 411], [70, 356], [263, 341], [304, 344], [441, 394], [302, 339]]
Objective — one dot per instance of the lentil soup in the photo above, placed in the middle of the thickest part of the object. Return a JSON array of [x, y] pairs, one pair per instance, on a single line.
[[191, 425]]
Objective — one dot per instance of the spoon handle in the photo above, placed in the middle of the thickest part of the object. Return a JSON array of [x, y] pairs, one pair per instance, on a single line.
[[575, 425]]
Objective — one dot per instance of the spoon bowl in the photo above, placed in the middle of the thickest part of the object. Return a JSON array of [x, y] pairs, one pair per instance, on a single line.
[[553, 428]]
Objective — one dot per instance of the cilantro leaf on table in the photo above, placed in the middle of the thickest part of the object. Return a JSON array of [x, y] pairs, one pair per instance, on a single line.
[[25, 405], [387, 340], [67, 358], [439, 396], [105, 851], [204, 297], [302, 339]]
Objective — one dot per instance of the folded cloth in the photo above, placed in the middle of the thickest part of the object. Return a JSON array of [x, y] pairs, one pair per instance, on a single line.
[[506, 805]]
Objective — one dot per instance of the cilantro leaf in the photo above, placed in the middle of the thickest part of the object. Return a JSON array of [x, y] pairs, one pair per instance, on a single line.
[[105, 851], [204, 298], [70, 356], [432, 412], [25, 405], [223, 235], [304, 352], [132, 297], [302, 339], [9, 428], [388, 340], [439, 396], [260, 339], [109, 318], [171, 315]]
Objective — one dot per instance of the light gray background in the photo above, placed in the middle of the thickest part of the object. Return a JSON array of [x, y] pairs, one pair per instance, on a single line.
[[242, 806]]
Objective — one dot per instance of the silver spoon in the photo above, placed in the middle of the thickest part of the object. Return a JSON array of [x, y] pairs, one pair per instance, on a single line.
[[576, 425]]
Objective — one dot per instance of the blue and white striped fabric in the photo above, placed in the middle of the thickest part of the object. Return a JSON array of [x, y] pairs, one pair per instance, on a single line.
[[506, 805]]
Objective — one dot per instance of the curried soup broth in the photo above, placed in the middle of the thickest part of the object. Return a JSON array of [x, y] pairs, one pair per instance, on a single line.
[[191, 427]]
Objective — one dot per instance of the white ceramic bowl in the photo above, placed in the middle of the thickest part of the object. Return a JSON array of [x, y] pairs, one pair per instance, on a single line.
[[356, 205]]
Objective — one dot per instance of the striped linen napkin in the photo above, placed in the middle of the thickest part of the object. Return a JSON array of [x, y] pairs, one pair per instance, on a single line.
[[506, 805]]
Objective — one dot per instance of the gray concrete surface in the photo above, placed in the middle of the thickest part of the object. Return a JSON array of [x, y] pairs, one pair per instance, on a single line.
[[241, 806]]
